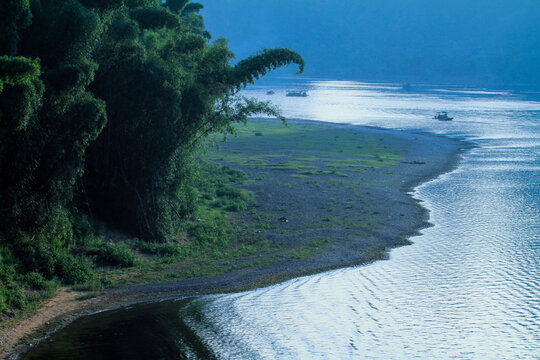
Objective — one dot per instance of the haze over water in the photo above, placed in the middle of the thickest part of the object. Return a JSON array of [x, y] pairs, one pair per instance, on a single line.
[[469, 287]]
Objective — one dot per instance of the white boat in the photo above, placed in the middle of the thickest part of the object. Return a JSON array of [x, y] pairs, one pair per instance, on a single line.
[[299, 93], [442, 116]]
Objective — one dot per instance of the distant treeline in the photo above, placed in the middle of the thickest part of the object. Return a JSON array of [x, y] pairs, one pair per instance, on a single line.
[[102, 106]]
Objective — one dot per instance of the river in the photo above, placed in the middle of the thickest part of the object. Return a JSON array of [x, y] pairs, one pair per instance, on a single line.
[[468, 288]]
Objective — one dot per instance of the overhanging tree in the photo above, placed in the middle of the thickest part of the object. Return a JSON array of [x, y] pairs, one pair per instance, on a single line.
[[166, 89], [102, 107]]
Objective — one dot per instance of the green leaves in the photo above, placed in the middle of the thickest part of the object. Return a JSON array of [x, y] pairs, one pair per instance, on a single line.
[[66, 31], [15, 16], [252, 68], [72, 76], [102, 4], [47, 121], [192, 8], [18, 70], [102, 107], [21, 92], [176, 6], [166, 89], [141, 3], [154, 18]]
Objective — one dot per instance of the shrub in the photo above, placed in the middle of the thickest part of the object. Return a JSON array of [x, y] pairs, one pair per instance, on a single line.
[[208, 233], [36, 254], [16, 297], [233, 199], [112, 255], [74, 270], [7, 273], [94, 285], [35, 281], [85, 231], [232, 175], [159, 249], [3, 300], [12, 296]]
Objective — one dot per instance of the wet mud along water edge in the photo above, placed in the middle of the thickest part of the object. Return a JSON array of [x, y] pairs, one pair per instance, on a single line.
[[342, 189]]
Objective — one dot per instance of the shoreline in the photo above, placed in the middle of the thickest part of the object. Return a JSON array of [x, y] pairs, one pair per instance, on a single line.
[[427, 157]]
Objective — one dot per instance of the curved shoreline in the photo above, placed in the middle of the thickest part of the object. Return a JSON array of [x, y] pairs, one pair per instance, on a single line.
[[428, 157]]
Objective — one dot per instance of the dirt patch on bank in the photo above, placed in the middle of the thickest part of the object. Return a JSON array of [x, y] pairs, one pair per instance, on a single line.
[[63, 302]]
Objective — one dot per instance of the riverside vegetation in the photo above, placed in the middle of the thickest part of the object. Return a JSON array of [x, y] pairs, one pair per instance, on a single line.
[[104, 106], [315, 175], [247, 185]]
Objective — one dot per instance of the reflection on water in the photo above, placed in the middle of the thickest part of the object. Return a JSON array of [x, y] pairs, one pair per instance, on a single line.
[[152, 331], [467, 288]]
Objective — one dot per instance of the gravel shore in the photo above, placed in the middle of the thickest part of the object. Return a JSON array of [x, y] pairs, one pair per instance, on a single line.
[[363, 212]]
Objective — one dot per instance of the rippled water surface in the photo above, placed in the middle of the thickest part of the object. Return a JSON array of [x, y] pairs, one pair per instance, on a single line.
[[469, 287]]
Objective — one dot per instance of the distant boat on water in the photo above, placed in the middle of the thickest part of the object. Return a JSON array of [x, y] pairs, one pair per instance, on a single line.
[[442, 116], [270, 92], [300, 93]]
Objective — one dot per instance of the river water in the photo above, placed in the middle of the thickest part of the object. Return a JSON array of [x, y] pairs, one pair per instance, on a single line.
[[469, 287]]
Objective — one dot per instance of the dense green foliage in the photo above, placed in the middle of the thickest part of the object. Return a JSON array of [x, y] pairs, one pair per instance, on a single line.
[[103, 105]]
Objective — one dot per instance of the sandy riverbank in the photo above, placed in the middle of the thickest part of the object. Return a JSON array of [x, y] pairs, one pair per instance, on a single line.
[[350, 213]]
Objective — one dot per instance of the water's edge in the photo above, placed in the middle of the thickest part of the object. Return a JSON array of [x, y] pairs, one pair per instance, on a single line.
[[119, 298]]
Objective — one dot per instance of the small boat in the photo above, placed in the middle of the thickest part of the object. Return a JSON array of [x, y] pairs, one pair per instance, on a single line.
[[442, 116], [300, 93], [270, 92]]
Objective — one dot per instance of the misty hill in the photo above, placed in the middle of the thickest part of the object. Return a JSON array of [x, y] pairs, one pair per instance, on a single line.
[[481, 42]]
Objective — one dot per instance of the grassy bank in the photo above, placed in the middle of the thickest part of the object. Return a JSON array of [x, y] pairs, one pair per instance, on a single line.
[[246, 186], [274, 202], [243, 189]]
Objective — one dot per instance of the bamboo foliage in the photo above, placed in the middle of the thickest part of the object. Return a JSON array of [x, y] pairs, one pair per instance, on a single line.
[[102, 107]]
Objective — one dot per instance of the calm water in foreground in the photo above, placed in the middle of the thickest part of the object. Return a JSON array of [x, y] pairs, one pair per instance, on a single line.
[[469, 287]]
